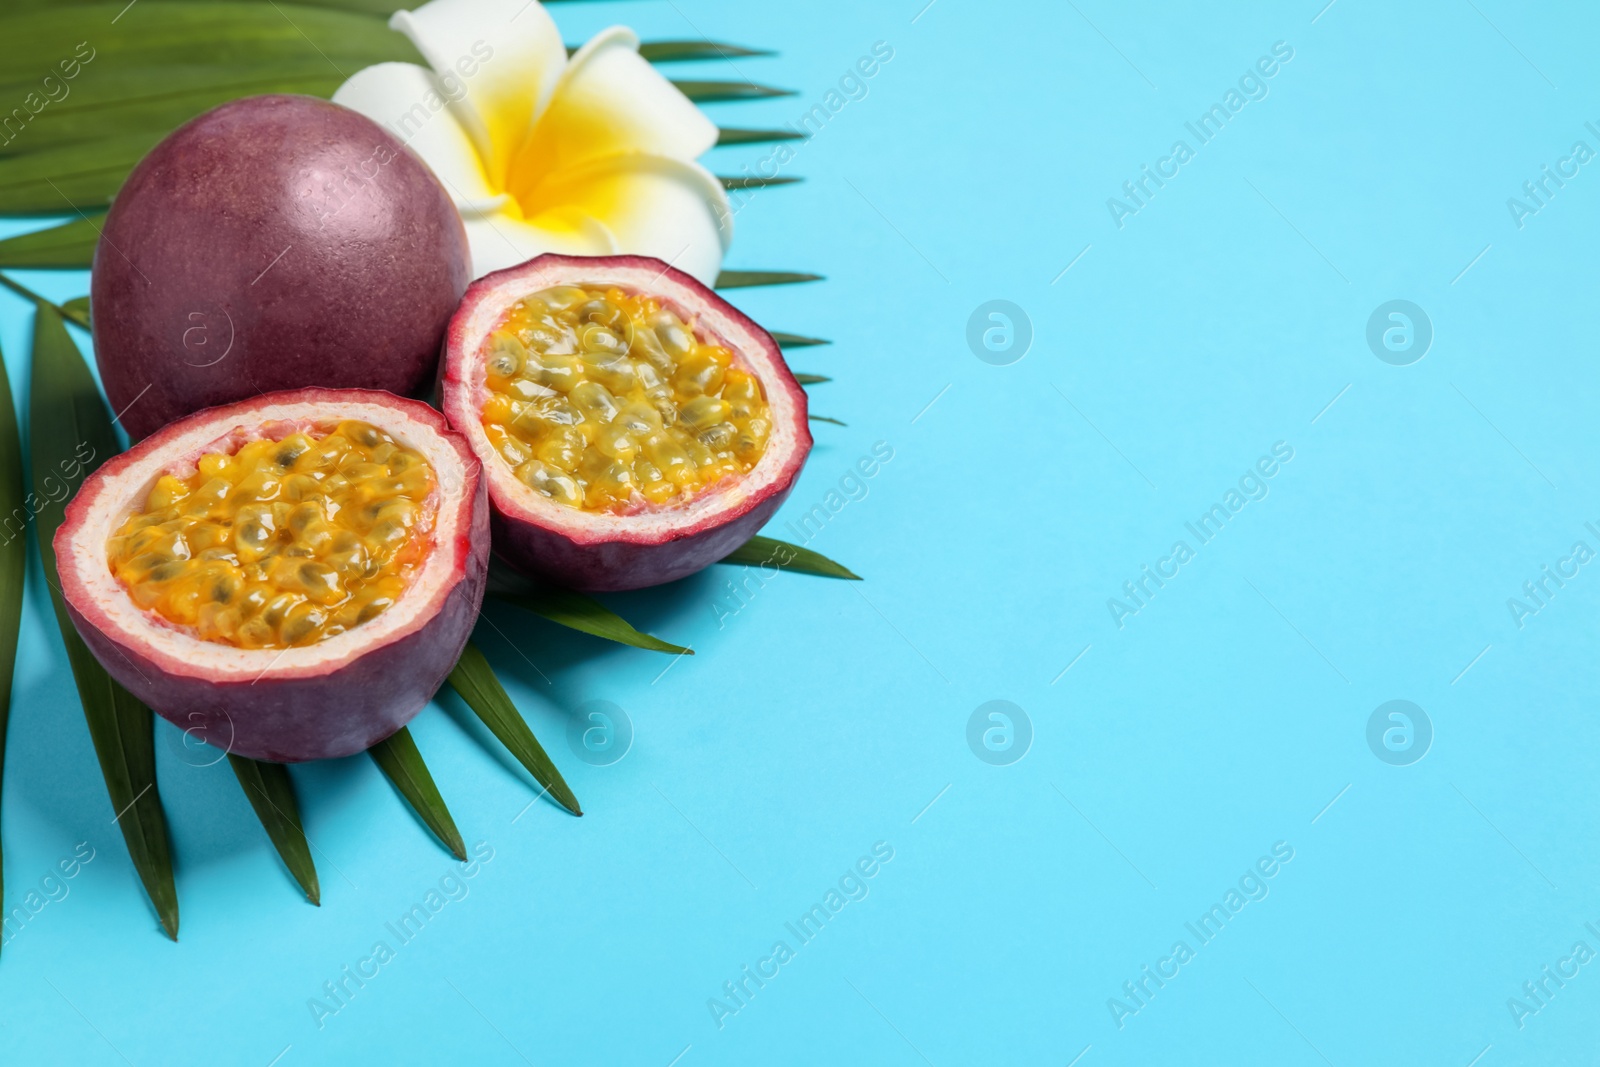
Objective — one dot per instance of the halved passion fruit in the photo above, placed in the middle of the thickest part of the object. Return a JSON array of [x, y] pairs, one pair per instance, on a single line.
[[633, 426], [291, 577]]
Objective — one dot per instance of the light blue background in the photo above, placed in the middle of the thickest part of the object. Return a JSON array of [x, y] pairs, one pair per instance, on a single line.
[[825, 716]]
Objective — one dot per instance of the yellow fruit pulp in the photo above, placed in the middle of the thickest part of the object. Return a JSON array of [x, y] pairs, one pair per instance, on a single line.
[[603, 400], [282, 543]]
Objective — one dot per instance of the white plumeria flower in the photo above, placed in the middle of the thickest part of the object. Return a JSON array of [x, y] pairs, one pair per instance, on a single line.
[[589, 156]]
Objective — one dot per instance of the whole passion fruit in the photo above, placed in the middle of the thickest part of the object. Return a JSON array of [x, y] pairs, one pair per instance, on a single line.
[[291, 577], [276, 242], [633, 426]]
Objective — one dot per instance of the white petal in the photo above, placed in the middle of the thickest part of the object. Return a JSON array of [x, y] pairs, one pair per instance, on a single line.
[[611, 101], [505, 240], [499, 60], [404, 98], [653, 206]]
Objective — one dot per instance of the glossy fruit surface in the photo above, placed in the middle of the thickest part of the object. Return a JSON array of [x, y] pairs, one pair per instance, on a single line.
[[634, 427], [276, 242], [290, 577]]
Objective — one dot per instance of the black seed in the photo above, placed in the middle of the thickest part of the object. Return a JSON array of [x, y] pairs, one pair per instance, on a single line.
[[298, 629]]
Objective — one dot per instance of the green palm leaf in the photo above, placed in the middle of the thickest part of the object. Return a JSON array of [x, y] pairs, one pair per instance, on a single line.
[[66, 414], [476, 683], [383, 8], [770, 552], [671, 51], [578, 611], [13, 555], [70, 245], [271, 793], [726, 136], [400, 761], [60, 309], [703, 91], [675, 51], [77, 310], [239, 35], [795, 340], [739, 279], [155, 100], [733, 182], [82, 175]]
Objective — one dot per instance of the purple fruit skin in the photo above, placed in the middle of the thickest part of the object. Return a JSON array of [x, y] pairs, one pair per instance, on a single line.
[[275, 242], [612, 566], [323, 717]]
